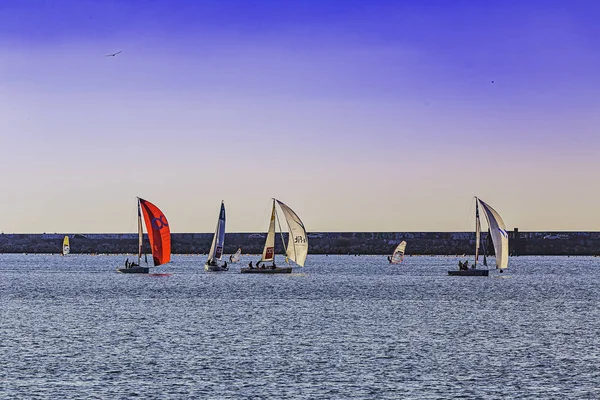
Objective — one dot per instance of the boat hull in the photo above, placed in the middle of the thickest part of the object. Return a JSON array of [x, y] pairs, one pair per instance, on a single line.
[[134, 270], [469, 272], [214, 268], [276, 270]]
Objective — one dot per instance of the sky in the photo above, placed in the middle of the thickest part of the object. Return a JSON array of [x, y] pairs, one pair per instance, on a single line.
[[359, 115]]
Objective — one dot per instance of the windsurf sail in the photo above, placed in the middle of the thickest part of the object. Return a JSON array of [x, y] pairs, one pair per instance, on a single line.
[[66, 248], [216, 248], [269, 250], [297, 248], [237, 256], [398, 255], [498, 233], [159, 232]]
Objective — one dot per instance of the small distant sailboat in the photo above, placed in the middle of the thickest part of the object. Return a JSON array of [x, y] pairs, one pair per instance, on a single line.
[[66, 248], [236, 257], [296, 249], [216, 248], [499, 234], [159, 235], [398, 255]]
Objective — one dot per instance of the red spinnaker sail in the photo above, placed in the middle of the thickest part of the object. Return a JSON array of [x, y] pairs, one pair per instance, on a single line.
[[159, 232]]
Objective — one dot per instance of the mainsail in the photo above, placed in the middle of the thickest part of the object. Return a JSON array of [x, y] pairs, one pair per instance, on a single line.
[[477, 232], [269, 250], [398, 255], [159, 232], [499, 235], [216, 247], [237, 256], [66, 248], [297, 248]]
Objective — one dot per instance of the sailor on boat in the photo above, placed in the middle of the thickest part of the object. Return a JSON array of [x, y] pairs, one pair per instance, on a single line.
[[250, 265]]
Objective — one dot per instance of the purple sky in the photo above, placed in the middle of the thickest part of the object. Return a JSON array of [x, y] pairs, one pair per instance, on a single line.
[[382, 115]]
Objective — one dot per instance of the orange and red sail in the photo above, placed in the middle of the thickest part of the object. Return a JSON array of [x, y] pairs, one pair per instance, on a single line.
[[159, 232]]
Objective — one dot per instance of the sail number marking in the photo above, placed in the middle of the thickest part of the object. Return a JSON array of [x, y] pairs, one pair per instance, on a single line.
[[159, 222]]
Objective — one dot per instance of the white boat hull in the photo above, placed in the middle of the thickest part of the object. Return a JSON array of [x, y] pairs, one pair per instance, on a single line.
[[214, 268]]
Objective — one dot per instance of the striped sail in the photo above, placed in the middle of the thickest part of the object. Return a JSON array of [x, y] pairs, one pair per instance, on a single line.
[[398, 255], [216, 248], [297, 248], [66, 248], [268, 253], [499, 235]]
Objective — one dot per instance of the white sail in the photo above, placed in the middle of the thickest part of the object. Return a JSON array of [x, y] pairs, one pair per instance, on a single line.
[[216, 247], [66, 248], [237, 256], [499, 235], [269, 251], [297, 248], [140, 231], [477, 232], [398, 255]]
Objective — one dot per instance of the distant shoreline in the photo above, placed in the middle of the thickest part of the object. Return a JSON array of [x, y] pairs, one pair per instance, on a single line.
[[366, 243]]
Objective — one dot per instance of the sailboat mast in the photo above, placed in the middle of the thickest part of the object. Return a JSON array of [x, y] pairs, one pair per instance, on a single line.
[[140, 231], [477, 230]]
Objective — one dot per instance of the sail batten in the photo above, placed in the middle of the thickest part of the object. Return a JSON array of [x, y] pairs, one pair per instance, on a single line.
[[159, 233], [499, 234]]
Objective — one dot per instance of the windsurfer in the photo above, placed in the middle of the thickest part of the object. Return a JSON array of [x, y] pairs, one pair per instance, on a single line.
[[390, 259]]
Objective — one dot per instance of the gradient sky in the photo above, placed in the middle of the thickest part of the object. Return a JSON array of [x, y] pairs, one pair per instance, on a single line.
[[360, 115]]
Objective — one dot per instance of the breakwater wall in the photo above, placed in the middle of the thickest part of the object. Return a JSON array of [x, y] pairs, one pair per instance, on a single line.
[[419, 243]]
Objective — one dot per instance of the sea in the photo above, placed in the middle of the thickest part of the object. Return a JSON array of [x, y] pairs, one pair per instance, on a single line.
[[342, 327]]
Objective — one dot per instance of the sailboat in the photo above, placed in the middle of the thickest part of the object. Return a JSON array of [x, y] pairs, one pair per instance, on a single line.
[[216, 248], [236, 257], [159, 235], [498, 233], [398, 255], [66, 248], [296, 249]]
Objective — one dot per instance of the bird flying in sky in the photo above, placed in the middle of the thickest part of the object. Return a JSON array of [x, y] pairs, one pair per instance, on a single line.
[[114, 54]]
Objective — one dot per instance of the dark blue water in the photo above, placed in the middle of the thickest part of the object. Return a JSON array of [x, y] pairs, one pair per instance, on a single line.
[[344, 327]]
